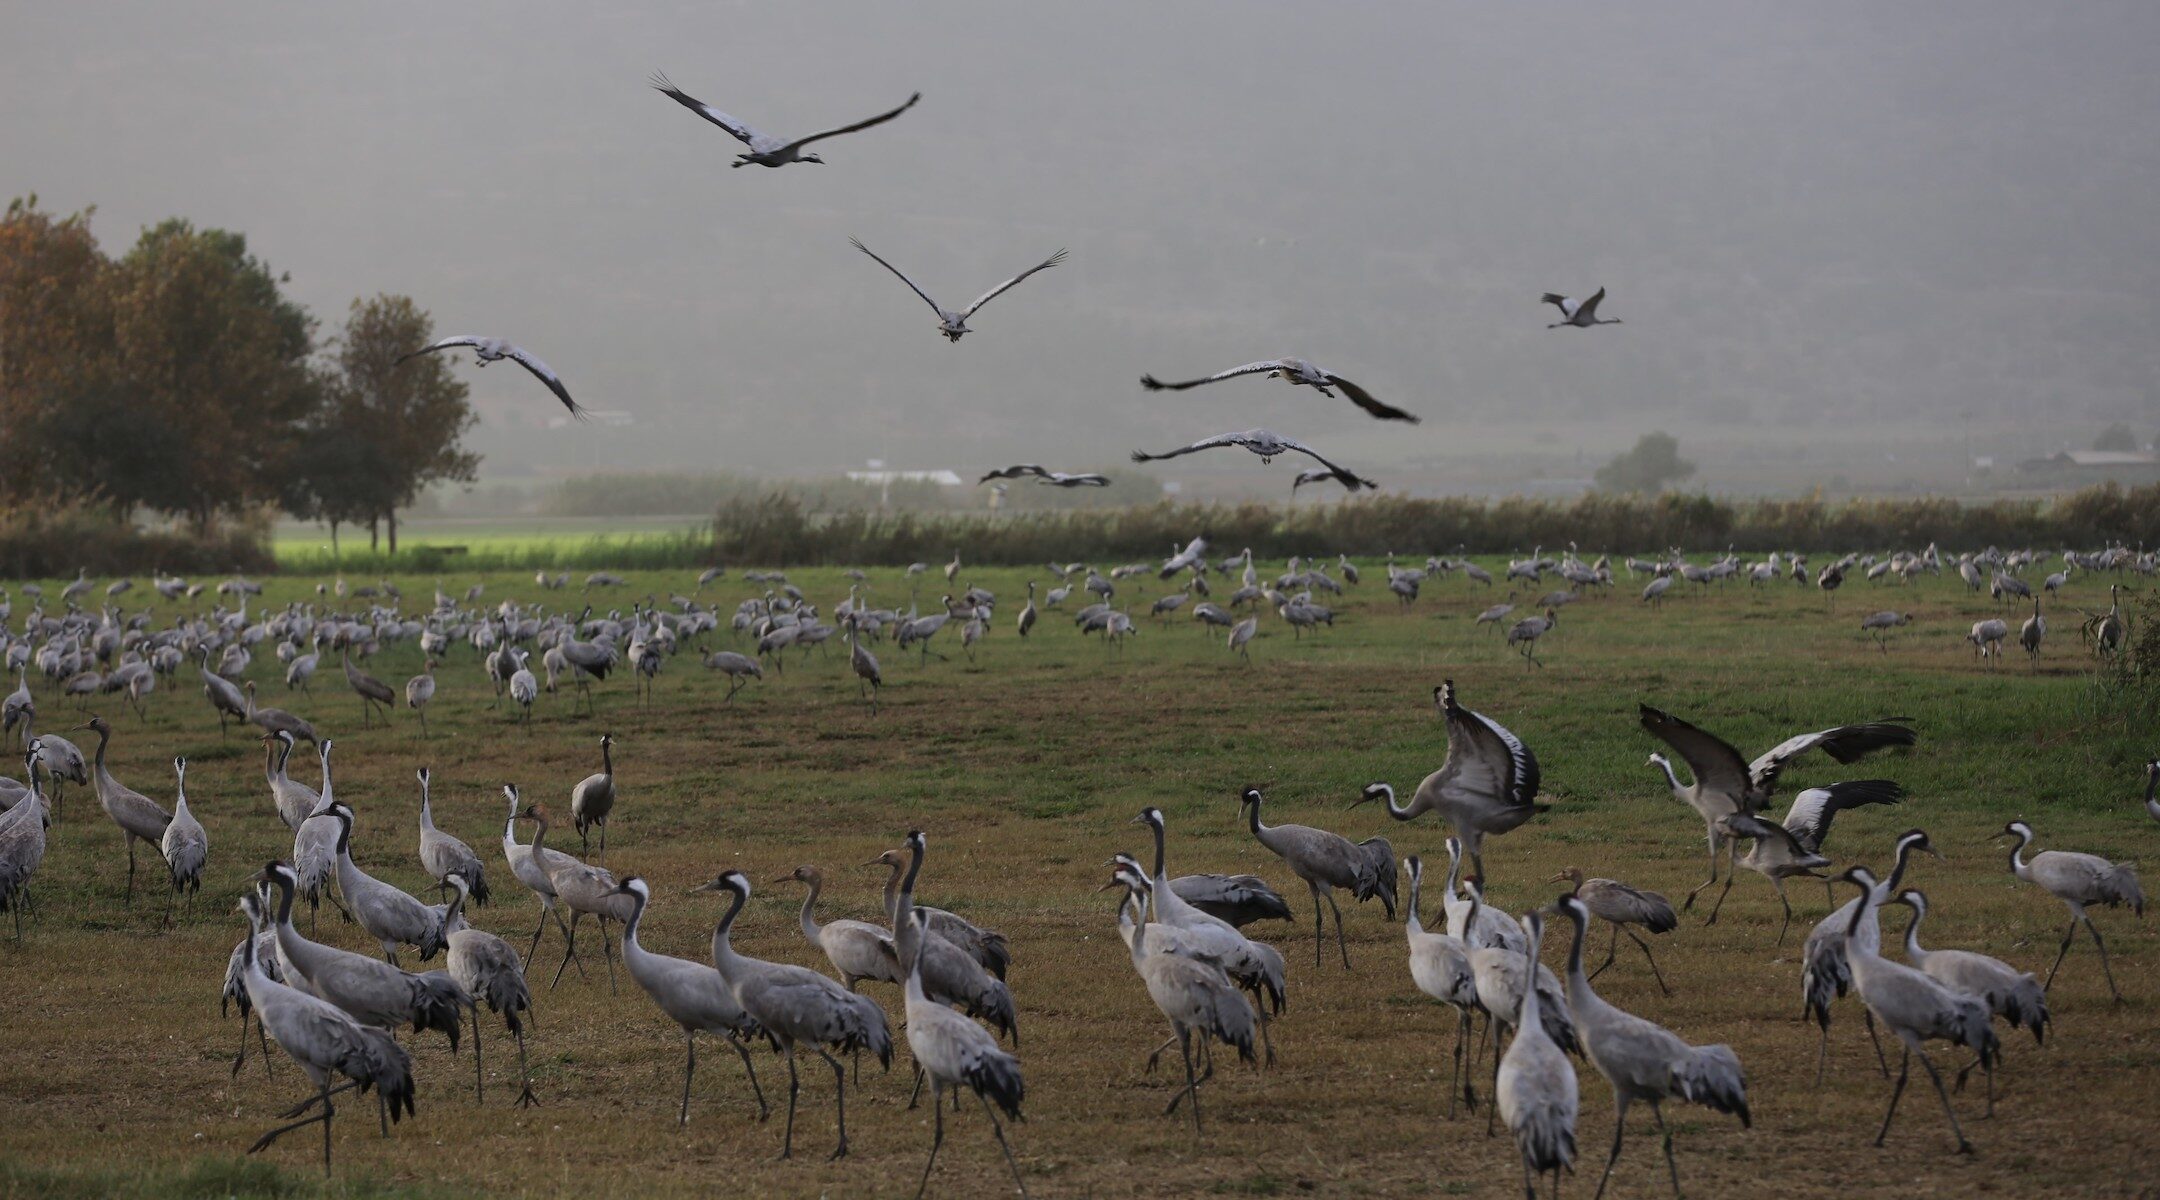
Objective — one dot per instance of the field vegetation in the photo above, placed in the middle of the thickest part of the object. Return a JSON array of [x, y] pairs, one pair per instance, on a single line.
[[1025, 766]]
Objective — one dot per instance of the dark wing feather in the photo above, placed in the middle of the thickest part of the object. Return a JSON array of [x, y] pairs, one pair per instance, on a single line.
[[1364, 399], [543, 374], [462, 339], [1713, 762], [1748, 826], [1220, 439], [903, 278], [1253, 368], [1845, 743], [1812, 810], [1588, 310], [1350, 479], [1000, 289], [736, 129], [879, 119]]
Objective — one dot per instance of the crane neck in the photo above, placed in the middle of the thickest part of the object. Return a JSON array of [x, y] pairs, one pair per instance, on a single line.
[[892, 892], [607, 760], [725, 960], [1411, 919], [1671, 779], [1861, 908], [809, 922], [2017, 854], [1395, 808], [1252, 816], [1158, 828], [1527, 1018], [630, 926], [1913, 952], [907, 885], [285, 902]]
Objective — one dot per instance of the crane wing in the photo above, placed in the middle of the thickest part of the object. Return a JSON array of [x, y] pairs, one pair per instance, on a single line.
[[1013, 472], [1588, 311], [1749, 826], [1220, 439], [879, 119], [1808, 821], [1000, 289], [1565, 304], [1364, 399], [736, 129], [1350, 479], [1490, 762], [460, 339], [1845, 743], [1253, 368], [1713, 762], [903, 278], [554, 382]]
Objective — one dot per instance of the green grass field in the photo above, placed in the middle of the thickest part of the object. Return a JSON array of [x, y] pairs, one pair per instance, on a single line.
[[486, 539], [1025, 767]]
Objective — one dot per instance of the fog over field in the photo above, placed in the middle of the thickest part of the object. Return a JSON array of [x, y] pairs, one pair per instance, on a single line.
[[1819, 222]]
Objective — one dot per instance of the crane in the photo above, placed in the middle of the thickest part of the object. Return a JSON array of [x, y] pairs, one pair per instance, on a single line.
[[1794, 846], [954, 1052], [1298, 373], [185, 845], [2009, 993], [1487, 784], [2078, 880], [765, 150], [594, 798], [373, 692], [692, 994], [443, 855], [1620, 906], [953, 324], [1440, 966], [140, 818], [795, 1005], [1535, 1090], [1327, 861], [488, 968]]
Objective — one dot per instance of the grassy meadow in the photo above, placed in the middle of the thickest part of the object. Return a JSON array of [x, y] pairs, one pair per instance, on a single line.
[[1025, 767]]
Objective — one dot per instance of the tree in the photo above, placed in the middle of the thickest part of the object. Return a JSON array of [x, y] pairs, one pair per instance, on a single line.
[[1649, 467], [390, 428], [214, 380], [55, 347], [2116, 437]]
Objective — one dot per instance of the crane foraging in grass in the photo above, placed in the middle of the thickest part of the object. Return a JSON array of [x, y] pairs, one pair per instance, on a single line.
[[2078, 880], [1327, 861]]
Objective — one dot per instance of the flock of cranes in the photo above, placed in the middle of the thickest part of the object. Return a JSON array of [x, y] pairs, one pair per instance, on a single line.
[[1189, 937]]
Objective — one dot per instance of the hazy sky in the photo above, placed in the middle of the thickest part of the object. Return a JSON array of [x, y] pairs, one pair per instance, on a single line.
[[1813, 218]]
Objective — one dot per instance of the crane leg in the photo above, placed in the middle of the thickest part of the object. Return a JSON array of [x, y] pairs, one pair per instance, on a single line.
[[763, 1110], [1904, 1068], [1319, 922], [1619, 1131], [1881, 1063], [131, 890], [527, 966], [262, 1037], [2094, 930], [998, 1128], [607, 951], [1493, 1110], [1341, 947], [2069, 933], [1672, 1168], [1454, 1083], [525, 1099], [839, 1077], [323, 1116], [937, 1106], [1721, 896], [569, 947], [1779, 884], [1612, 951], [1192, 1086], [479, 1072], [1964, 1147], [794, 1086], [689, 1037], [1651, 958], [1690, 904]]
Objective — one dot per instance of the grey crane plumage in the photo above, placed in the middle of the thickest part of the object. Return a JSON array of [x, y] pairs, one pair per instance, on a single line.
[[795, 1006], [1579, 314], [692, 994], [1327, 861], [1267, 445], [375, 993], [1196, 997], [1487, 784], [373, 692], [489, 969], [1254, 966], [1235, 900], [324, 1041], [1440, 966], [2014, 995], [765, 150], [954, 1052], [1793, 847], [295, 801], [524, 868], [140, 818], [389, 914], [593, 799], [1621, 905], [185, 844], [580, 887], [2079, 881], [442, 854], [1826, 968], [494, 349], [953, 324], [420, 692], [1298, 373], [858, 950], [949, 971], [1916, 1009], [1644, 1061], [22, 842], [1535, 1090], [1726, 783], [737, 667]]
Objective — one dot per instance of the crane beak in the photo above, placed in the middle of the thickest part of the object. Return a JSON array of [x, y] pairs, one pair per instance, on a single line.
[[782, 879]]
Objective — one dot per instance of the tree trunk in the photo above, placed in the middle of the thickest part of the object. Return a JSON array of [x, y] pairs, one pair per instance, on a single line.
[[374, 535], [333, 542], [391, 519]]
